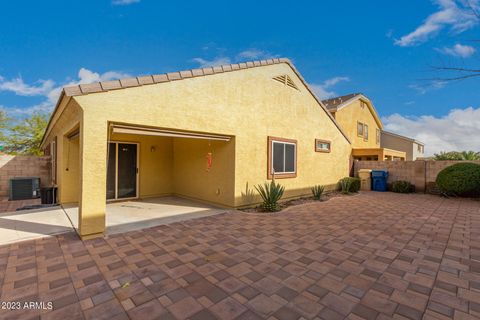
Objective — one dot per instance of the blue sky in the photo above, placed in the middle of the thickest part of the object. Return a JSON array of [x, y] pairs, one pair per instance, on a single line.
[[385, 49]]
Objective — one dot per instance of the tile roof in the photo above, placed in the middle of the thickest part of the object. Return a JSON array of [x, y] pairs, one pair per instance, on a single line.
[[335, 102], [103, 86]]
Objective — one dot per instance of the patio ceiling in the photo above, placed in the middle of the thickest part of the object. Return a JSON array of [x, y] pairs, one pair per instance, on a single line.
[[148, 131]]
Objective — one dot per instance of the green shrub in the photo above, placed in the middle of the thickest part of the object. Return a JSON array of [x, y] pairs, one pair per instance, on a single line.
[[402, 186], [356, 183], [318, 191], [461, 179], [349, 184], [270, 193], [345, 185]]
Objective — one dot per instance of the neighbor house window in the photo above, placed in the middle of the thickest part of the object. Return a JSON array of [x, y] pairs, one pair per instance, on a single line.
[[359, 129], [282, 158], [377, 138], [420, 148], [365, 132], [363, 104], [322, 145]]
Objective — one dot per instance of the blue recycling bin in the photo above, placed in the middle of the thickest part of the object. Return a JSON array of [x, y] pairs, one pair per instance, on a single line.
[[379, 180]]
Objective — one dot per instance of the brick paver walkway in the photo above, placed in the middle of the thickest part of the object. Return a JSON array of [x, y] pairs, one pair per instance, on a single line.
[[370, 256]]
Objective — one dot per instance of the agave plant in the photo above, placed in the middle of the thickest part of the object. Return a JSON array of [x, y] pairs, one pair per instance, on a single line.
[[318, 191], [345, 185], [270, 193]]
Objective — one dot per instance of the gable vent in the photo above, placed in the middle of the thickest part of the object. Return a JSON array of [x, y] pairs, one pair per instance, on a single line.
[[286, 80]]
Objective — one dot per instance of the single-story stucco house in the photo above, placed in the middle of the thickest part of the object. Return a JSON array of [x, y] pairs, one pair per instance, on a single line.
[[207, 134]]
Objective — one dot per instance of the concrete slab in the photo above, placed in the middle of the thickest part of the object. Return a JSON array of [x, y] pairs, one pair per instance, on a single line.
[[145, 213], [31, 224]]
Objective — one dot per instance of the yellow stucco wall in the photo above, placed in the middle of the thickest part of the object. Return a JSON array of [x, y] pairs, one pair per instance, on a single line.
[[190, 174], [247, 105], [348, 117], [155, 165], [70, 170], [68, 180]]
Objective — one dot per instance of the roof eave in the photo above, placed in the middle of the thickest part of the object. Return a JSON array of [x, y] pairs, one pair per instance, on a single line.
[[57, 105], [106, 86]]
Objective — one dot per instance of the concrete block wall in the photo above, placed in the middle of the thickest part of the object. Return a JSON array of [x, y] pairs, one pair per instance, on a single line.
[[420, 173], [22, 166]]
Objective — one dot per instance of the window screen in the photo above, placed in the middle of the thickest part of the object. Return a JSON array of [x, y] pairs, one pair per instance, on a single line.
[[278, 157], [322, 145], [283, 157], [289, 158]]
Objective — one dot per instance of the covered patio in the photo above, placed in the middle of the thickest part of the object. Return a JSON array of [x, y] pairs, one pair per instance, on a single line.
[[147, 175], [378, 154], [137, 214]]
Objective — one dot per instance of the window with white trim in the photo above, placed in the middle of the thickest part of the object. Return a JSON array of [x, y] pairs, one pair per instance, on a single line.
[[282, 158], [359, 129], [322, 145]]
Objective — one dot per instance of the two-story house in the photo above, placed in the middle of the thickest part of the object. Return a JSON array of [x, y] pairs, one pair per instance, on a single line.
[[358, 118]]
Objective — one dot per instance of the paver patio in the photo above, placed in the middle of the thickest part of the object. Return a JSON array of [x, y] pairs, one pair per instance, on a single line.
[[370, 256]]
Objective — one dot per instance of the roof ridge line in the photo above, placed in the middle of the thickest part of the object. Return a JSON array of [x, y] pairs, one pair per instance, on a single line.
[[104, 86]]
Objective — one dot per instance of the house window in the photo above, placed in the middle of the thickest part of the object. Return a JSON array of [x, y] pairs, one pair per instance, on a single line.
[[365, 132], [282, 158], [420, 148], [322, 145], [377, 138], [363, 104], [359, 129]]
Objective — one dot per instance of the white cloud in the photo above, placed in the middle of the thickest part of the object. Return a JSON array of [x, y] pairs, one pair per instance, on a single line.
[[221, 59], [324, 89], [218, 61], [88, 76], [430, 86], [457, 131], [458, 50], [17, 112], [124, 2], [455, 14], [252, 54], [49, 90], [85, 76], [19, 87]]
